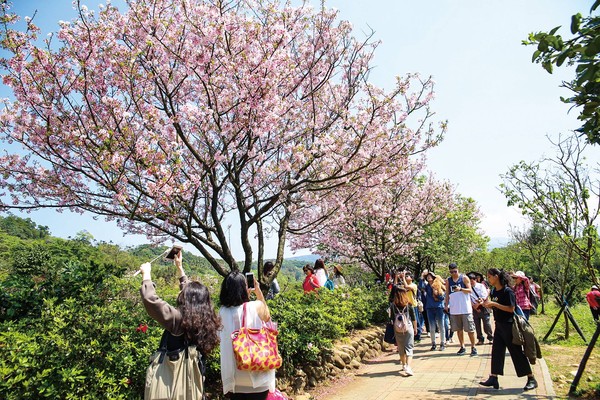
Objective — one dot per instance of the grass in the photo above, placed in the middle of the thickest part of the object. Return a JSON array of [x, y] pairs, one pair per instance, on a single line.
[[563, 353]]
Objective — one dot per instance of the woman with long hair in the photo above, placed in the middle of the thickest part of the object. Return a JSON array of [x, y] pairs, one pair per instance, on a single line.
[[274, 286], [246, 385], [404, 340], [503, 302], [194, 318], [434, 306], [320, 272]]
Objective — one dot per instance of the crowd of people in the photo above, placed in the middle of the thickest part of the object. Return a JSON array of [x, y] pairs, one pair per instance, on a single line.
[[433, 306], [317, 277], [462, 303]]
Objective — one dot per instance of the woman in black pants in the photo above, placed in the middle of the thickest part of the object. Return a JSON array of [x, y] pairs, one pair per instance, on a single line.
[[502, 301]]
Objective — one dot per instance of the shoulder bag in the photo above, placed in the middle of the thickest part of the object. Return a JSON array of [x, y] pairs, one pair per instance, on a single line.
[[256, 349], [175, 374]]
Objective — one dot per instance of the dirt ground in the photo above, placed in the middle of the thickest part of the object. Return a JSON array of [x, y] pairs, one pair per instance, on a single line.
[[563, 362]]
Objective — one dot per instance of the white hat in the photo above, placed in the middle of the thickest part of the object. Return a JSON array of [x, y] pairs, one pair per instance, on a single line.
[[519, 274]]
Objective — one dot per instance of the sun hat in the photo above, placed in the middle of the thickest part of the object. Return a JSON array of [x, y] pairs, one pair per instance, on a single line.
[[595, 287], [338, 268], [519, 274]]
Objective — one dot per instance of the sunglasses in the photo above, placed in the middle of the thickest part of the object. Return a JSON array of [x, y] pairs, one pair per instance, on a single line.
[[454, 271]]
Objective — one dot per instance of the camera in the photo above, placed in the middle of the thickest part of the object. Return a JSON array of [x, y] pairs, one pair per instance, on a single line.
[[455, 288], [250, 280], [173, 252]]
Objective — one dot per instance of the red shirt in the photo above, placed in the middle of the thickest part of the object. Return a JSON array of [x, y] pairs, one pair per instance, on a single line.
[[592, 298], [310, 283]]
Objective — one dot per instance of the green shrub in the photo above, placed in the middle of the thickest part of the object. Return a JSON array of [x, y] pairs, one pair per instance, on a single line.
[[84, 340], [76, 350], [311, 323]]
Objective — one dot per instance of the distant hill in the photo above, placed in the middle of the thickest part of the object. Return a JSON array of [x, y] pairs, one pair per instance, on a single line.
[[496, 242], [306, 257]]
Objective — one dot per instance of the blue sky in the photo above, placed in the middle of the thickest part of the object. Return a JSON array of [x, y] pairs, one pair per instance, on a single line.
[[499, 105]]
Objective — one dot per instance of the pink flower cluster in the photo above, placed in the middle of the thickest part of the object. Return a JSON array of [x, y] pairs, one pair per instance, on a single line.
[[172, 114]]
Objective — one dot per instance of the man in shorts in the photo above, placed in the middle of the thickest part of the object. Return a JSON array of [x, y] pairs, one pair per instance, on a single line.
[[458, 303]]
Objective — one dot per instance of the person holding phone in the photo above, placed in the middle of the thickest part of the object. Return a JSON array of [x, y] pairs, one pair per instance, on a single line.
[[194, 317], [236, 290], [458, 304], [503, 302]]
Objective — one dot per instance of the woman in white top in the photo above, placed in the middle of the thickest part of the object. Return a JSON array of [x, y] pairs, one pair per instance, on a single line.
[[246, 385], [338, 277], [320, 272]]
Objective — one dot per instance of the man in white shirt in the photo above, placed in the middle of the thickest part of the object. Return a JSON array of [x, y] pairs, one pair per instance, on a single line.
[[458, 304]]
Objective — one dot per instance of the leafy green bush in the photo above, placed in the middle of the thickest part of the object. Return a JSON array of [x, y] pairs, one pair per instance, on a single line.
[[311, 323], [72, 325], [87, 345]]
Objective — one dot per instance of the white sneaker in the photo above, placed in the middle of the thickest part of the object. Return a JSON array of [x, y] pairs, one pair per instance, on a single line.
[[408, 370]]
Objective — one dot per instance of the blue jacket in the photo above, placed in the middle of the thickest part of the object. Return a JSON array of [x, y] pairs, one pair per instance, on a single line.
[[431, 302]]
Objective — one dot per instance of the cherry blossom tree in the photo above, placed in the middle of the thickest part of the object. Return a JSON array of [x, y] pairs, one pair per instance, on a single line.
[[173, 115], [376, 224]]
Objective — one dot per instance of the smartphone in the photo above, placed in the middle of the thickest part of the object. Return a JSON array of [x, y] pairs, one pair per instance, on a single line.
[[250, 280], [173, 252]]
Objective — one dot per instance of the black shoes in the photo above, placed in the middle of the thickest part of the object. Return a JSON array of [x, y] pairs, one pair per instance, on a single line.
[[492, 381], [461, 351], [432, 348], [531, 384]]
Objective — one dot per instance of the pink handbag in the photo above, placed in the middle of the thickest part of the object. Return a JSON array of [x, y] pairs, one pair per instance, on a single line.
[[276, 395], [256, 349]]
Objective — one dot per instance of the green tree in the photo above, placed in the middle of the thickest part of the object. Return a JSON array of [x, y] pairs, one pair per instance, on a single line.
[[582, 50], [539, 243], [452, 238], [562, 193], [23, 228]]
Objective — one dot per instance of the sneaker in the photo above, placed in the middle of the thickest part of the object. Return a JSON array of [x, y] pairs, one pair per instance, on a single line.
[[408, 370], [442, 347], [531, 384], [462, 351], [432, 348], [480, 343], [473, 351]]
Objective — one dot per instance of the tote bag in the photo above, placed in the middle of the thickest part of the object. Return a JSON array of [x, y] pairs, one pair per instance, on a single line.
[[175, 374], [256, 349]]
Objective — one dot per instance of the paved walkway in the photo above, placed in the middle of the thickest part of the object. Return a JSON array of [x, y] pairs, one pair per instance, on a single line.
[[437, 375]]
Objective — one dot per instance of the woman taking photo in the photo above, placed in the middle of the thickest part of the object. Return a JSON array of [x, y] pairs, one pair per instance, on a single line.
[[246, 385], [503, 302], [194, 317]]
